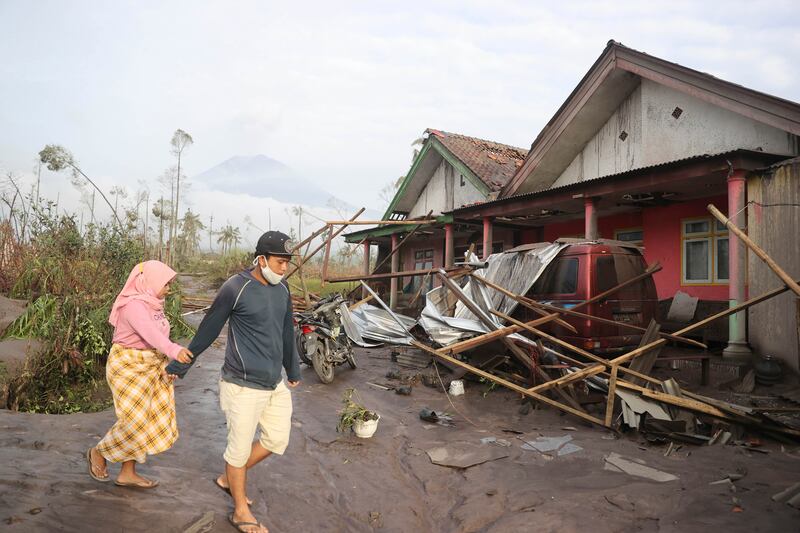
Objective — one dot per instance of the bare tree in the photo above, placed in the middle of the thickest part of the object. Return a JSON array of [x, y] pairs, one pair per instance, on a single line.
[[58, 158], [180, 141]]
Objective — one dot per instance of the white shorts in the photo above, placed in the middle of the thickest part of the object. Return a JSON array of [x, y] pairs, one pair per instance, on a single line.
[[247, 409]]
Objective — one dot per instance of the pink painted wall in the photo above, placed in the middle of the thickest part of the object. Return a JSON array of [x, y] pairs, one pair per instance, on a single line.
[[662, 241]]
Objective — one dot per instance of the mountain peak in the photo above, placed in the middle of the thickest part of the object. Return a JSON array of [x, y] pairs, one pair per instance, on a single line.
[[262, 176]]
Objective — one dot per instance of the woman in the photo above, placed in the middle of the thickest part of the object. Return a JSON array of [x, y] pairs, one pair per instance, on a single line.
[[144, 398]]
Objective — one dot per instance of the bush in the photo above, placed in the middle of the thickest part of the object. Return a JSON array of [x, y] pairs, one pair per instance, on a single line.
[[71, 280]]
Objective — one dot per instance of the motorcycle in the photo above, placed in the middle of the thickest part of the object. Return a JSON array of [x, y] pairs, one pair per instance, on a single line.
[[321, 339]]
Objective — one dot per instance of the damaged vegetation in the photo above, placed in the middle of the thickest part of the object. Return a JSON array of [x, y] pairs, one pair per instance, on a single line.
[[70, 279]]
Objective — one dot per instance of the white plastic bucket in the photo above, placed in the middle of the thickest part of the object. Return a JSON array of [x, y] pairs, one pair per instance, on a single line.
[[365, 428], [457, 387]]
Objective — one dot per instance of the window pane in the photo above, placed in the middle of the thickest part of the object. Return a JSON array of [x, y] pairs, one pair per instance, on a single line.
[[561, 277], [722, 259], [696, 226], [696, 260], [720, 227], [606, 273], [428, 254], [630, 236]]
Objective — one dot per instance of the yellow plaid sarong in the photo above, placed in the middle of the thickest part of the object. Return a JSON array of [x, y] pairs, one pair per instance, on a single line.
[[144, 404]]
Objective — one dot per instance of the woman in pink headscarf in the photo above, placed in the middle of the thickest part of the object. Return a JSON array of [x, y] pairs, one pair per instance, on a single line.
[[144, 399]]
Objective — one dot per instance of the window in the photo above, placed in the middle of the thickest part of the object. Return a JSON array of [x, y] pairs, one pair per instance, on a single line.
[[704, 243], [423, 260], [633, 235], [561, 277]]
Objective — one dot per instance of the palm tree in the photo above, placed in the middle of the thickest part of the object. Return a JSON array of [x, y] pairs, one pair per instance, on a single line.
[[228, 236], [191, 226]]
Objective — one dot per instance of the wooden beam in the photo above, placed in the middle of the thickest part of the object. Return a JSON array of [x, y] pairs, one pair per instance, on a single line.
[[401, 243], [497, 334], [380, 222], [330, 238], [781, 273], [751, 302], [612, 391], [405, 273], [577, 314], [505, 383], [521, 300], [309, 238]]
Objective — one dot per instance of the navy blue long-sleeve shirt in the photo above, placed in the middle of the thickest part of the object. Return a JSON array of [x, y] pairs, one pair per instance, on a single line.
[[260, 333]]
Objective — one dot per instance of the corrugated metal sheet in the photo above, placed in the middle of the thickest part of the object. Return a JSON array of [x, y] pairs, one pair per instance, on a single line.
[[610, 177]]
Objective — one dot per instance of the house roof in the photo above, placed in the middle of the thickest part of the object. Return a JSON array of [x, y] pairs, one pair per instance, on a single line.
[[685, 178], [488, 165], [492, 162], [611, 79]]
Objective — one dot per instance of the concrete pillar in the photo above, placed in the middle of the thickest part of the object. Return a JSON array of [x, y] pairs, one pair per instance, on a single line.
[[395, 268], [737, 348], [365, 268], [449, 250], [590, 215], [487, 237]]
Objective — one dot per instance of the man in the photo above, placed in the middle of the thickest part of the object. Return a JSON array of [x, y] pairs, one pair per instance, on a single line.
[[252, 394]]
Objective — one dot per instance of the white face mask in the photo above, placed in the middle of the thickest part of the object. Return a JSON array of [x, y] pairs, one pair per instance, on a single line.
[[271, 277]]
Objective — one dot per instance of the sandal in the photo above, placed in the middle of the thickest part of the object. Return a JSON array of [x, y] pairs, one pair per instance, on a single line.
[[240, 525], [228, 491], [151, 484], [96, 477]]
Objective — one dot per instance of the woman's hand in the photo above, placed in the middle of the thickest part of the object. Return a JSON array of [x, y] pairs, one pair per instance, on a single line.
[[167, 378], [184, 356]]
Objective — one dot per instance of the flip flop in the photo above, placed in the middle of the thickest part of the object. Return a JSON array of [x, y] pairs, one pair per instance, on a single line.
[[227, 490], [240, 525], [151, 484], [95, 477]]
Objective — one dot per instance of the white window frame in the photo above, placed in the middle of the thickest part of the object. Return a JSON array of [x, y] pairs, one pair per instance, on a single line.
[[712, 237]]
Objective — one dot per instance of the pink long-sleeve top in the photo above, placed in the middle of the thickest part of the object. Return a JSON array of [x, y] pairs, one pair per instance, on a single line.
[[144, 328]]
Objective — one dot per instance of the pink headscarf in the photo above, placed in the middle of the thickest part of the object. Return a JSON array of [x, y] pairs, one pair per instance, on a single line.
[[144, 282]]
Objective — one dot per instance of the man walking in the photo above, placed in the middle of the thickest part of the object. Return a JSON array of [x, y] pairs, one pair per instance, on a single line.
[[252, 394]]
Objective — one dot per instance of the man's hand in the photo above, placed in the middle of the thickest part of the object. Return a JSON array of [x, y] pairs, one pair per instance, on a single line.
[[293, 384], [184, 356]]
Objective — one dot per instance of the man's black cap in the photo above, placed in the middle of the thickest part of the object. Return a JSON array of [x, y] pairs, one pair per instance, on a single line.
[[274, 243]]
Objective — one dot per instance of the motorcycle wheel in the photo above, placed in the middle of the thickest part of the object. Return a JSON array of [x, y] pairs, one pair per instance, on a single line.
[[323, 368], [351, 359], [300, 342]]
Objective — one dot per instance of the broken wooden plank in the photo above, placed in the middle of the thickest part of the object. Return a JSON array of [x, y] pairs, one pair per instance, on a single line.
[[330, 238]]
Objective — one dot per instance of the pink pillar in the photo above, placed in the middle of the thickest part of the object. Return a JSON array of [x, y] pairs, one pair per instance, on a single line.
[[365, 267], [737, 348], [449, 251], [395, 268], [487, 237], [590, 215]]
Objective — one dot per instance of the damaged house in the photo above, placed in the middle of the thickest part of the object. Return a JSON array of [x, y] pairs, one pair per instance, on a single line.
[[636, 153]]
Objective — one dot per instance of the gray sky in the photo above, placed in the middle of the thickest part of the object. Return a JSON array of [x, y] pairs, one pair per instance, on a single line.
[[337, 90]]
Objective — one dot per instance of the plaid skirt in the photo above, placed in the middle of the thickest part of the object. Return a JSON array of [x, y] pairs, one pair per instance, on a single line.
[[144, 403]]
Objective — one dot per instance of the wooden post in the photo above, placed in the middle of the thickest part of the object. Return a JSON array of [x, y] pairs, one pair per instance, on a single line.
[[612, 391], [395, 268], [449, 250], [364, 267], [487, 237]]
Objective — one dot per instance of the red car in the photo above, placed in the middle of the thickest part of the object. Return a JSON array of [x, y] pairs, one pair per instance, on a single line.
[[582, 271]]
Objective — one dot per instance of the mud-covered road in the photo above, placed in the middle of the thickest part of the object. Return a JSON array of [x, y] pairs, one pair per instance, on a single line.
[[333, 482]]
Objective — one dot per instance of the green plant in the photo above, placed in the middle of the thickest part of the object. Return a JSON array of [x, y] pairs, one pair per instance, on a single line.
[[353, 411], [71, 280]]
